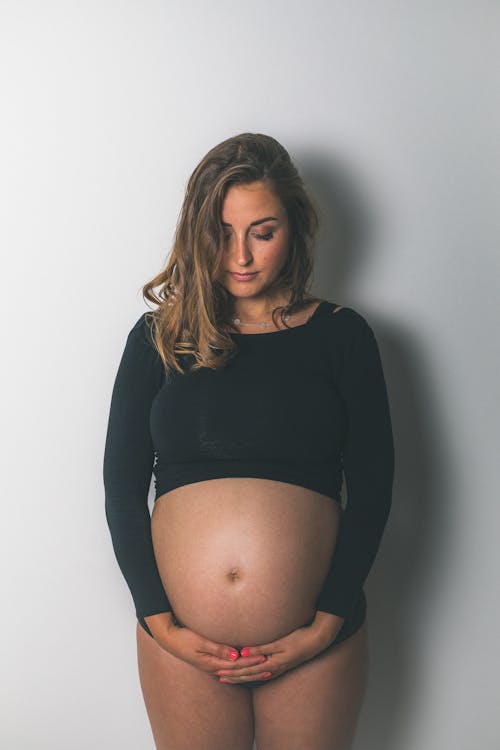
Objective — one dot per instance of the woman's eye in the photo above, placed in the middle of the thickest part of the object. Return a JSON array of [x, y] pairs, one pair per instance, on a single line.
[[267, 236]]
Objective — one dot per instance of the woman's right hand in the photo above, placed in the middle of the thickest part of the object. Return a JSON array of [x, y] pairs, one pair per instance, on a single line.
[[201, 652]]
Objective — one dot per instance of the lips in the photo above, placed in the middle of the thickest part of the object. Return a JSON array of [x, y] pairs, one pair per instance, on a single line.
[[243, 276]]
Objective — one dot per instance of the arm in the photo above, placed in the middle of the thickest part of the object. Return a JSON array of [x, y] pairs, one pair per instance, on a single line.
[[127, 469], [368, 465]]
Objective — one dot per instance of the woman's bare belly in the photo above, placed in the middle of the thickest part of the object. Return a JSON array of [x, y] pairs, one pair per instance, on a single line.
[[243, 560]]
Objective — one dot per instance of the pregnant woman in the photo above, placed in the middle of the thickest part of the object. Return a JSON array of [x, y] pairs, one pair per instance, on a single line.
[[250, 401]]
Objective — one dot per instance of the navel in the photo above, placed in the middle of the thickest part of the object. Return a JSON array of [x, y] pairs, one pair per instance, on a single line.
[[234, 574]]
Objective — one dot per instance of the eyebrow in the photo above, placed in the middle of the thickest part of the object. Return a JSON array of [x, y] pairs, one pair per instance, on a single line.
[[258, 221]]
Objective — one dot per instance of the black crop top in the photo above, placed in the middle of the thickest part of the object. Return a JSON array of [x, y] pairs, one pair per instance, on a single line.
[[315, 408]]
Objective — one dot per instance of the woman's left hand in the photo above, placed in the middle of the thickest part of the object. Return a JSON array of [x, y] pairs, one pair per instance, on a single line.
[[285, 653]]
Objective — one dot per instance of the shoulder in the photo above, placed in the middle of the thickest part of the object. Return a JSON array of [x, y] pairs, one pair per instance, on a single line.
[[141, 332], [140, 343], [141, 362], [351, 345], [345, 321], [348, 336]]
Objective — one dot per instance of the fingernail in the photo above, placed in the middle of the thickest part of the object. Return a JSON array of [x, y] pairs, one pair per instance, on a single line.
[[261, 661], [233, 654], [245, 651], [266, 675]]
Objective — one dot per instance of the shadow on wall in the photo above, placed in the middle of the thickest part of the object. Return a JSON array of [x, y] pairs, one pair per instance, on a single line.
[[402, 576]]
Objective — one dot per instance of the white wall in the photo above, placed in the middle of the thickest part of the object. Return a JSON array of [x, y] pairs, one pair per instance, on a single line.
[[106, 109]]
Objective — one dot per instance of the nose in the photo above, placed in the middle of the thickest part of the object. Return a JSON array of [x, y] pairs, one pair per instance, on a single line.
[[240, 251]]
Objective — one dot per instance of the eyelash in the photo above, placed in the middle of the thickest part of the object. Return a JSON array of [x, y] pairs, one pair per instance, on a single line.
[[266, 237]]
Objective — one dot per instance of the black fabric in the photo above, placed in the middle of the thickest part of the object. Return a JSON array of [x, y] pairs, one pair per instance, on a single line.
[[306, 406]]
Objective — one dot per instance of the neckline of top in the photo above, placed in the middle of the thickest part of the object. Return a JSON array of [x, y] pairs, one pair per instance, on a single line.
[[319, 308]]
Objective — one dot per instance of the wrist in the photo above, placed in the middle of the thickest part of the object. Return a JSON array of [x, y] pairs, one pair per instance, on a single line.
[[160, 624], [327, 626]]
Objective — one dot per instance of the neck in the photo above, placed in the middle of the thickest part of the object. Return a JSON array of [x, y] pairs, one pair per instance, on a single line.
[[257, 310]]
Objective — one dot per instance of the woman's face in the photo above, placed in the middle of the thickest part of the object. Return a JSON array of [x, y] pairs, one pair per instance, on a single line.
[[256, 239]]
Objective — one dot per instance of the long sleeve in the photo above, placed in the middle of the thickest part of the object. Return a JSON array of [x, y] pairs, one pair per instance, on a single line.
[[367, 459], [127, 470]]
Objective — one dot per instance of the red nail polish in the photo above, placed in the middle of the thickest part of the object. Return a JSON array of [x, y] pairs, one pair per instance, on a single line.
[[245, 651], [233, 654]]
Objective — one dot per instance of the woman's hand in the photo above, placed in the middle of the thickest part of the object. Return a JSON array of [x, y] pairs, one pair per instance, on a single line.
[[284, 653], [207, 655]]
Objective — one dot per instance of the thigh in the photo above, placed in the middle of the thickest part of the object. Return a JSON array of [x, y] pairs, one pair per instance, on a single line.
[[317, 704], [189, 709]]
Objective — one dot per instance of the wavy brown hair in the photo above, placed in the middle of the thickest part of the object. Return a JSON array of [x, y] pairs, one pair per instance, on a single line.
[[193, 306]]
